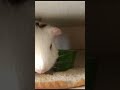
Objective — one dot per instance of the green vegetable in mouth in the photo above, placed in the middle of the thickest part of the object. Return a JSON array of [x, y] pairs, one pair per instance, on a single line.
[[65, 61]]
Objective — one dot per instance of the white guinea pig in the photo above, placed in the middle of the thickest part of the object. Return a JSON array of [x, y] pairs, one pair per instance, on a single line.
[[46, 52]]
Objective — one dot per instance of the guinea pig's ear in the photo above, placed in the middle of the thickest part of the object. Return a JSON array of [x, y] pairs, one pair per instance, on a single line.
[[56, 31]]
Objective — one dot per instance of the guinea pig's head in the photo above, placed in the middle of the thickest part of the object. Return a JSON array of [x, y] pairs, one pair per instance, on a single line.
[[46, 52]]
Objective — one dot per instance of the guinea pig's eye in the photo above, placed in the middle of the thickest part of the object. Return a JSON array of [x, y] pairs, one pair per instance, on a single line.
[[42, 25], [50, 46]]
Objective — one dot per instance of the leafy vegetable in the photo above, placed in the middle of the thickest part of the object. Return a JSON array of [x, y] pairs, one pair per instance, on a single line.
[[65, 61]]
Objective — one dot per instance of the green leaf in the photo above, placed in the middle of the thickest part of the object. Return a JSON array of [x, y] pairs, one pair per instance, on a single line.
[[65, 61]]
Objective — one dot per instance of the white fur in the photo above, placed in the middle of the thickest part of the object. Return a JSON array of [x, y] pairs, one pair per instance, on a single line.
[[44, 57]]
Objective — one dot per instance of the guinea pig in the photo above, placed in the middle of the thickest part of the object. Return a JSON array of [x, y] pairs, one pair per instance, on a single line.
[[46, 52]]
